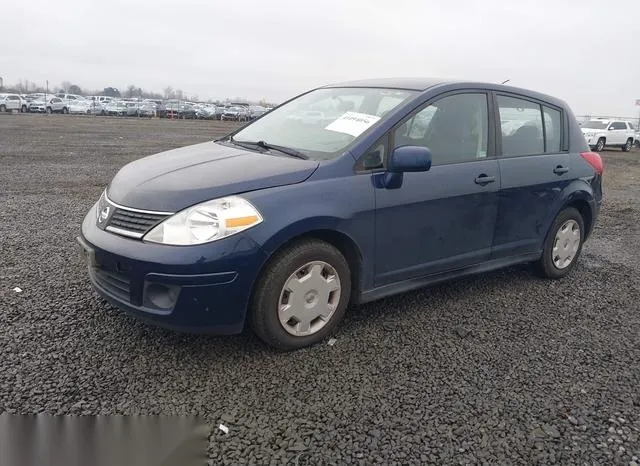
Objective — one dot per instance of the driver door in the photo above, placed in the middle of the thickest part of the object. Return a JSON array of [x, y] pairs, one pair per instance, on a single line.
[[444, 218]]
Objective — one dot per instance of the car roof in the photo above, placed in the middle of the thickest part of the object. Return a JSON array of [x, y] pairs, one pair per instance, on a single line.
[[416, 84], [424, 83]]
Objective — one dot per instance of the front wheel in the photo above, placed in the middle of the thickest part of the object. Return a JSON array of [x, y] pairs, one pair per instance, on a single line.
[[563, 244], [3, 108], [23, 109], [600, 145], [301, 295], [49, 110], [65, 110], [628, 145]]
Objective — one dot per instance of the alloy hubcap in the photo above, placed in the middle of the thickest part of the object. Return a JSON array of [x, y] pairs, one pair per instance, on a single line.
[[566, 244], [309, 298]]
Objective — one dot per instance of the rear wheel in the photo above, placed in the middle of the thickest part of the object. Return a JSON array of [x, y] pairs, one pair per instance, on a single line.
[[3, 108], [563, 244], [23, 109], [600, 145], [628, 145], [301, 295]]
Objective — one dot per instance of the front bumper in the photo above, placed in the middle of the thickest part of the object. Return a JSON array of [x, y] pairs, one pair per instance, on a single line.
[[196, 289]]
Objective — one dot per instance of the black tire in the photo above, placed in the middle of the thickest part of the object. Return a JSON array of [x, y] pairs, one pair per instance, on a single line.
[[49, 110], [65, 110], [3, 108], [23, 109], [628, 145], [264, 303], [545, 265], [600, 145]]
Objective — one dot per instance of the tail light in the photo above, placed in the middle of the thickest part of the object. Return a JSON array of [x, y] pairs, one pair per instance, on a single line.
[[594, 159]]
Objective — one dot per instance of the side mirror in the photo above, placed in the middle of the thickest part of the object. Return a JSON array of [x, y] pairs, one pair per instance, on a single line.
[[405, 159], [409, 159], [611, 128]]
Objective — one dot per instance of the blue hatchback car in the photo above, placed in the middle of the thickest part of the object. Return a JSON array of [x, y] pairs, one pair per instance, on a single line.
[[344, 194]]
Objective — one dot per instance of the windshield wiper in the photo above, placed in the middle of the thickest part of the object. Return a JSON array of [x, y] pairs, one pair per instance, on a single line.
[[267, 146]]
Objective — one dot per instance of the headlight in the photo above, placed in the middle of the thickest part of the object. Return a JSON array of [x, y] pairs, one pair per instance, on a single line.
[[209, 221]]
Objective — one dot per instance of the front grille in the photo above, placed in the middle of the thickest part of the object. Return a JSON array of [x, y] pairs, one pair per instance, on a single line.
[[134, 223], [113, 282]]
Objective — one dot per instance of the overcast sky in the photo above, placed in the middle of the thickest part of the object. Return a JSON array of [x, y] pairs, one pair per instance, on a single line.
[[585, 52]]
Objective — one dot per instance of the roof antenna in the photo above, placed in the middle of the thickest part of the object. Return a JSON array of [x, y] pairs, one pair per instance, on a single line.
[[505, 81]]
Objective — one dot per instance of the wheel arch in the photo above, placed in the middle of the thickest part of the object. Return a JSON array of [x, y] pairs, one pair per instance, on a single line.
[[580, 198], [323, 231]]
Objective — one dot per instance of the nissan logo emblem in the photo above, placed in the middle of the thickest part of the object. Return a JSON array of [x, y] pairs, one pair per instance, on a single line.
[[104, 214]]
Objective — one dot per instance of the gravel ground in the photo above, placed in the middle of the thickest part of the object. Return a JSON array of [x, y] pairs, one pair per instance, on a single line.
[[499, 368]]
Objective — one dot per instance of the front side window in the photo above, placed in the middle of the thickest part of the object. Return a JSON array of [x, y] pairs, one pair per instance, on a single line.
[[619, 125], [455, 129], [323, 122], [521, 124]]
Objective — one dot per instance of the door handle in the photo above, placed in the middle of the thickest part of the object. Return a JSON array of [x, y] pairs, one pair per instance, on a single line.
[[560, 170], [484, 179]]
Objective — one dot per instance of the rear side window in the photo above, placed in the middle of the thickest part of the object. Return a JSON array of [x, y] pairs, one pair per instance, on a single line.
[[552, 129], [521, 123]]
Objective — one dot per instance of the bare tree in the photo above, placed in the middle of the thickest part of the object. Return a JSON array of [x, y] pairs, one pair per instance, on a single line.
[[168, 92], [179, 94]]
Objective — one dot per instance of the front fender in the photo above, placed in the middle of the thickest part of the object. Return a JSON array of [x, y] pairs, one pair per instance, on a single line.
[[344, 206]]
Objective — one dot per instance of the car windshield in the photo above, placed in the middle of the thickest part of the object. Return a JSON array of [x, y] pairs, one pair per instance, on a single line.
[[595, 124], [323, 122]]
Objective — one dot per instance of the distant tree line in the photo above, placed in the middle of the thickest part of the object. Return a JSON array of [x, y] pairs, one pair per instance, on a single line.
[[24, 86]]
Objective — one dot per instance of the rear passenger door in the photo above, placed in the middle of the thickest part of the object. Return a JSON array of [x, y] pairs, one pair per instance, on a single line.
[[534, 168]]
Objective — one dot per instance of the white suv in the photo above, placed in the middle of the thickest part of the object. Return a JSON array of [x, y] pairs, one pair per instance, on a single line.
[[10, 102], [612, 133]]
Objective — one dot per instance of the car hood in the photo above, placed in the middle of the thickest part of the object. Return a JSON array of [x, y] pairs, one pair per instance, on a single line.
[[175, 179]]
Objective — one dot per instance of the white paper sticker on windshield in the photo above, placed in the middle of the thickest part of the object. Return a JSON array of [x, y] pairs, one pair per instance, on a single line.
[[352, 123]]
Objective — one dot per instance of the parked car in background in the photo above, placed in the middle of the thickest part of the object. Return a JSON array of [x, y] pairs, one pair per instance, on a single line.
[[176, 109], [85, 106], [116, 108], [131, 108], [601, 133], [10, 102], [256, 111], [235, 113], [212, 237], [69, 97], [49, 105], [146, 109]]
